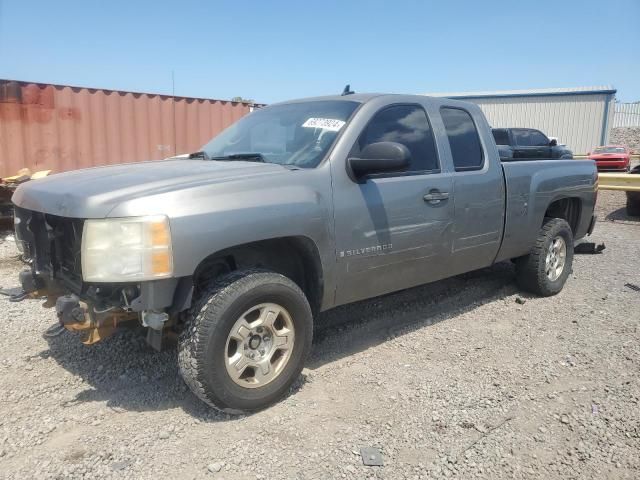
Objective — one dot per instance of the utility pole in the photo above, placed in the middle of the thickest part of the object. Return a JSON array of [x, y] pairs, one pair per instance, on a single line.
[[173, 103]]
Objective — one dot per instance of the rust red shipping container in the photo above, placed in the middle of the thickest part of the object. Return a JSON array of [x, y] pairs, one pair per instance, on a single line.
[[64, 128]]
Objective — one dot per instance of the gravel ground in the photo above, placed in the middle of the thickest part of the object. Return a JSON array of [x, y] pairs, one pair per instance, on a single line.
[[464, 378], [629, 136]]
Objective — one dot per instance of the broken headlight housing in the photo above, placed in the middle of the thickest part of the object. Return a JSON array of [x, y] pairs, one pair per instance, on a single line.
[[126, 249]]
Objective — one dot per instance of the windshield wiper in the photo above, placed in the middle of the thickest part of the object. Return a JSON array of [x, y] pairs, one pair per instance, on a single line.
[[200, 154], [250, 157]]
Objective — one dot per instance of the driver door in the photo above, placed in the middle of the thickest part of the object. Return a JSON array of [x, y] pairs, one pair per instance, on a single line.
[[389, 236]]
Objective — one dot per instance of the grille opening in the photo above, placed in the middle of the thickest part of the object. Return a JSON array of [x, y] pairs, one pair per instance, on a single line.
[[65, 242]]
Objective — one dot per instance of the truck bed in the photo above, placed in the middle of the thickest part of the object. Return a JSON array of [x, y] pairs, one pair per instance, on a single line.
[[531, 186]]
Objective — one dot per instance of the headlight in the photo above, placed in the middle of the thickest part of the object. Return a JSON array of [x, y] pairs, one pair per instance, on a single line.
[[126, 249]]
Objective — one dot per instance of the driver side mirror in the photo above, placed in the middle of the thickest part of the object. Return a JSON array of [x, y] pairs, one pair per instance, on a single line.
[[553, 143], [379, 157]]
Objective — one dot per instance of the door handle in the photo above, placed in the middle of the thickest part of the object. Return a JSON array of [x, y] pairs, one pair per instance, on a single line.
[[434, 197]]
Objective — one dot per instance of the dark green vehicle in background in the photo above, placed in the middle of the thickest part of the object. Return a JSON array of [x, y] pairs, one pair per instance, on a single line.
[[528, 144]]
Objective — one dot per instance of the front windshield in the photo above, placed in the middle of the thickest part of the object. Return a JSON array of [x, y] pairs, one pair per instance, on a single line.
[[609, 150], [297, 134]]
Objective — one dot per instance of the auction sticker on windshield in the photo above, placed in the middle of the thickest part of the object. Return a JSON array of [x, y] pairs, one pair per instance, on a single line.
[[324, 123]]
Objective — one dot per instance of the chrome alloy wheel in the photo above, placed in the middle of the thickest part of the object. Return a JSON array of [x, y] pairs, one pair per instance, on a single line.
[[556, 258], [259, 345]]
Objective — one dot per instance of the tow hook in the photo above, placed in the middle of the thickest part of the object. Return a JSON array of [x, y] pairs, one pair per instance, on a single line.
[[155, 320]]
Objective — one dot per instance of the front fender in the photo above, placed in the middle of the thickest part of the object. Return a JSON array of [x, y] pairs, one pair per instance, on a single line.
[[210, 218]]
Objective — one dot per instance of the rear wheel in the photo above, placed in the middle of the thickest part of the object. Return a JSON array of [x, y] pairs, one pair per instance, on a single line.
[[545, 270], [633, 204], [246, 340]]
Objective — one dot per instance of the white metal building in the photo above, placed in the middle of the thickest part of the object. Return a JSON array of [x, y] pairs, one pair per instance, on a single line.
[[578, 117]]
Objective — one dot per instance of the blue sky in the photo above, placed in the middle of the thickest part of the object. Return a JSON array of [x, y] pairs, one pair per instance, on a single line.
[[276, 50]]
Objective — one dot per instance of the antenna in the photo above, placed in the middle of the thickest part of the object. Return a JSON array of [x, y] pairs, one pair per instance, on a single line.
[[347, 90]]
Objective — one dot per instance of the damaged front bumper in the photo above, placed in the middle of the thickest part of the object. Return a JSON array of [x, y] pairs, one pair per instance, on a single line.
[[96, 311], [52, 247]]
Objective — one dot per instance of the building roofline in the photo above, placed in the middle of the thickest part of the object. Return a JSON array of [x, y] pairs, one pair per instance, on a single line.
[[539, 92], [111, 90]]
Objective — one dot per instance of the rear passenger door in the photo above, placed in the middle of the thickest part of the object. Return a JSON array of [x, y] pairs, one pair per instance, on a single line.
[[393, 228], [478, 192]]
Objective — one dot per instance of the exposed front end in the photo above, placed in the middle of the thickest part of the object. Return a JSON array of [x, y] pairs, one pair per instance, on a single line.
[[100, 273]]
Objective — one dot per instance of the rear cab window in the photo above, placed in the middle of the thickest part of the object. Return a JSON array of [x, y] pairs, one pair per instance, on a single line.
[[464, 141]]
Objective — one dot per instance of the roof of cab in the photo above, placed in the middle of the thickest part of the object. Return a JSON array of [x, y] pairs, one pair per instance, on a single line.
[[353, 97], [366, 97]]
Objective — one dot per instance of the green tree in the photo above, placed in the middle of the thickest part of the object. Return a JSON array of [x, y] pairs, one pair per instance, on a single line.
[[242, 100]]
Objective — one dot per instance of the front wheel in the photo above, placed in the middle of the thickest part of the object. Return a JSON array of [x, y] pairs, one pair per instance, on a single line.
[[545, 269], [245, 340]]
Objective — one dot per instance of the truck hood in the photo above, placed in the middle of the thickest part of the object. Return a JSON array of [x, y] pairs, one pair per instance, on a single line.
[[94, 192]]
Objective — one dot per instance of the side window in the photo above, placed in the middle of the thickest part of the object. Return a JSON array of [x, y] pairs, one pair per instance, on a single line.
[[538, 139], [463, 139], [406, 124], [500, 136], [523, 138]]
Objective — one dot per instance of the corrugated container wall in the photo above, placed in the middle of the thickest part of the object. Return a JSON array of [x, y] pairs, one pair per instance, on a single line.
[[65, 128], [580, 118], [627, 115]]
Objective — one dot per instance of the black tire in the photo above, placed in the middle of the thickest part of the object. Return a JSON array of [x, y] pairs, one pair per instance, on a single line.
[[530, 269], [202, 345], [633, 204]]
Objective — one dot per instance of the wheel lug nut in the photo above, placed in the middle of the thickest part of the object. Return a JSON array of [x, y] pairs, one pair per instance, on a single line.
[[266, 338], [259, 329]]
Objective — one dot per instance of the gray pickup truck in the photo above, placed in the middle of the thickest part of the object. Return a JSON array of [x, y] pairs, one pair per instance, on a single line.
[[295, 209]]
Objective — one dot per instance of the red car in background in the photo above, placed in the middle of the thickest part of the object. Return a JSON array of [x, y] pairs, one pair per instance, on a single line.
[[611, 157]]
